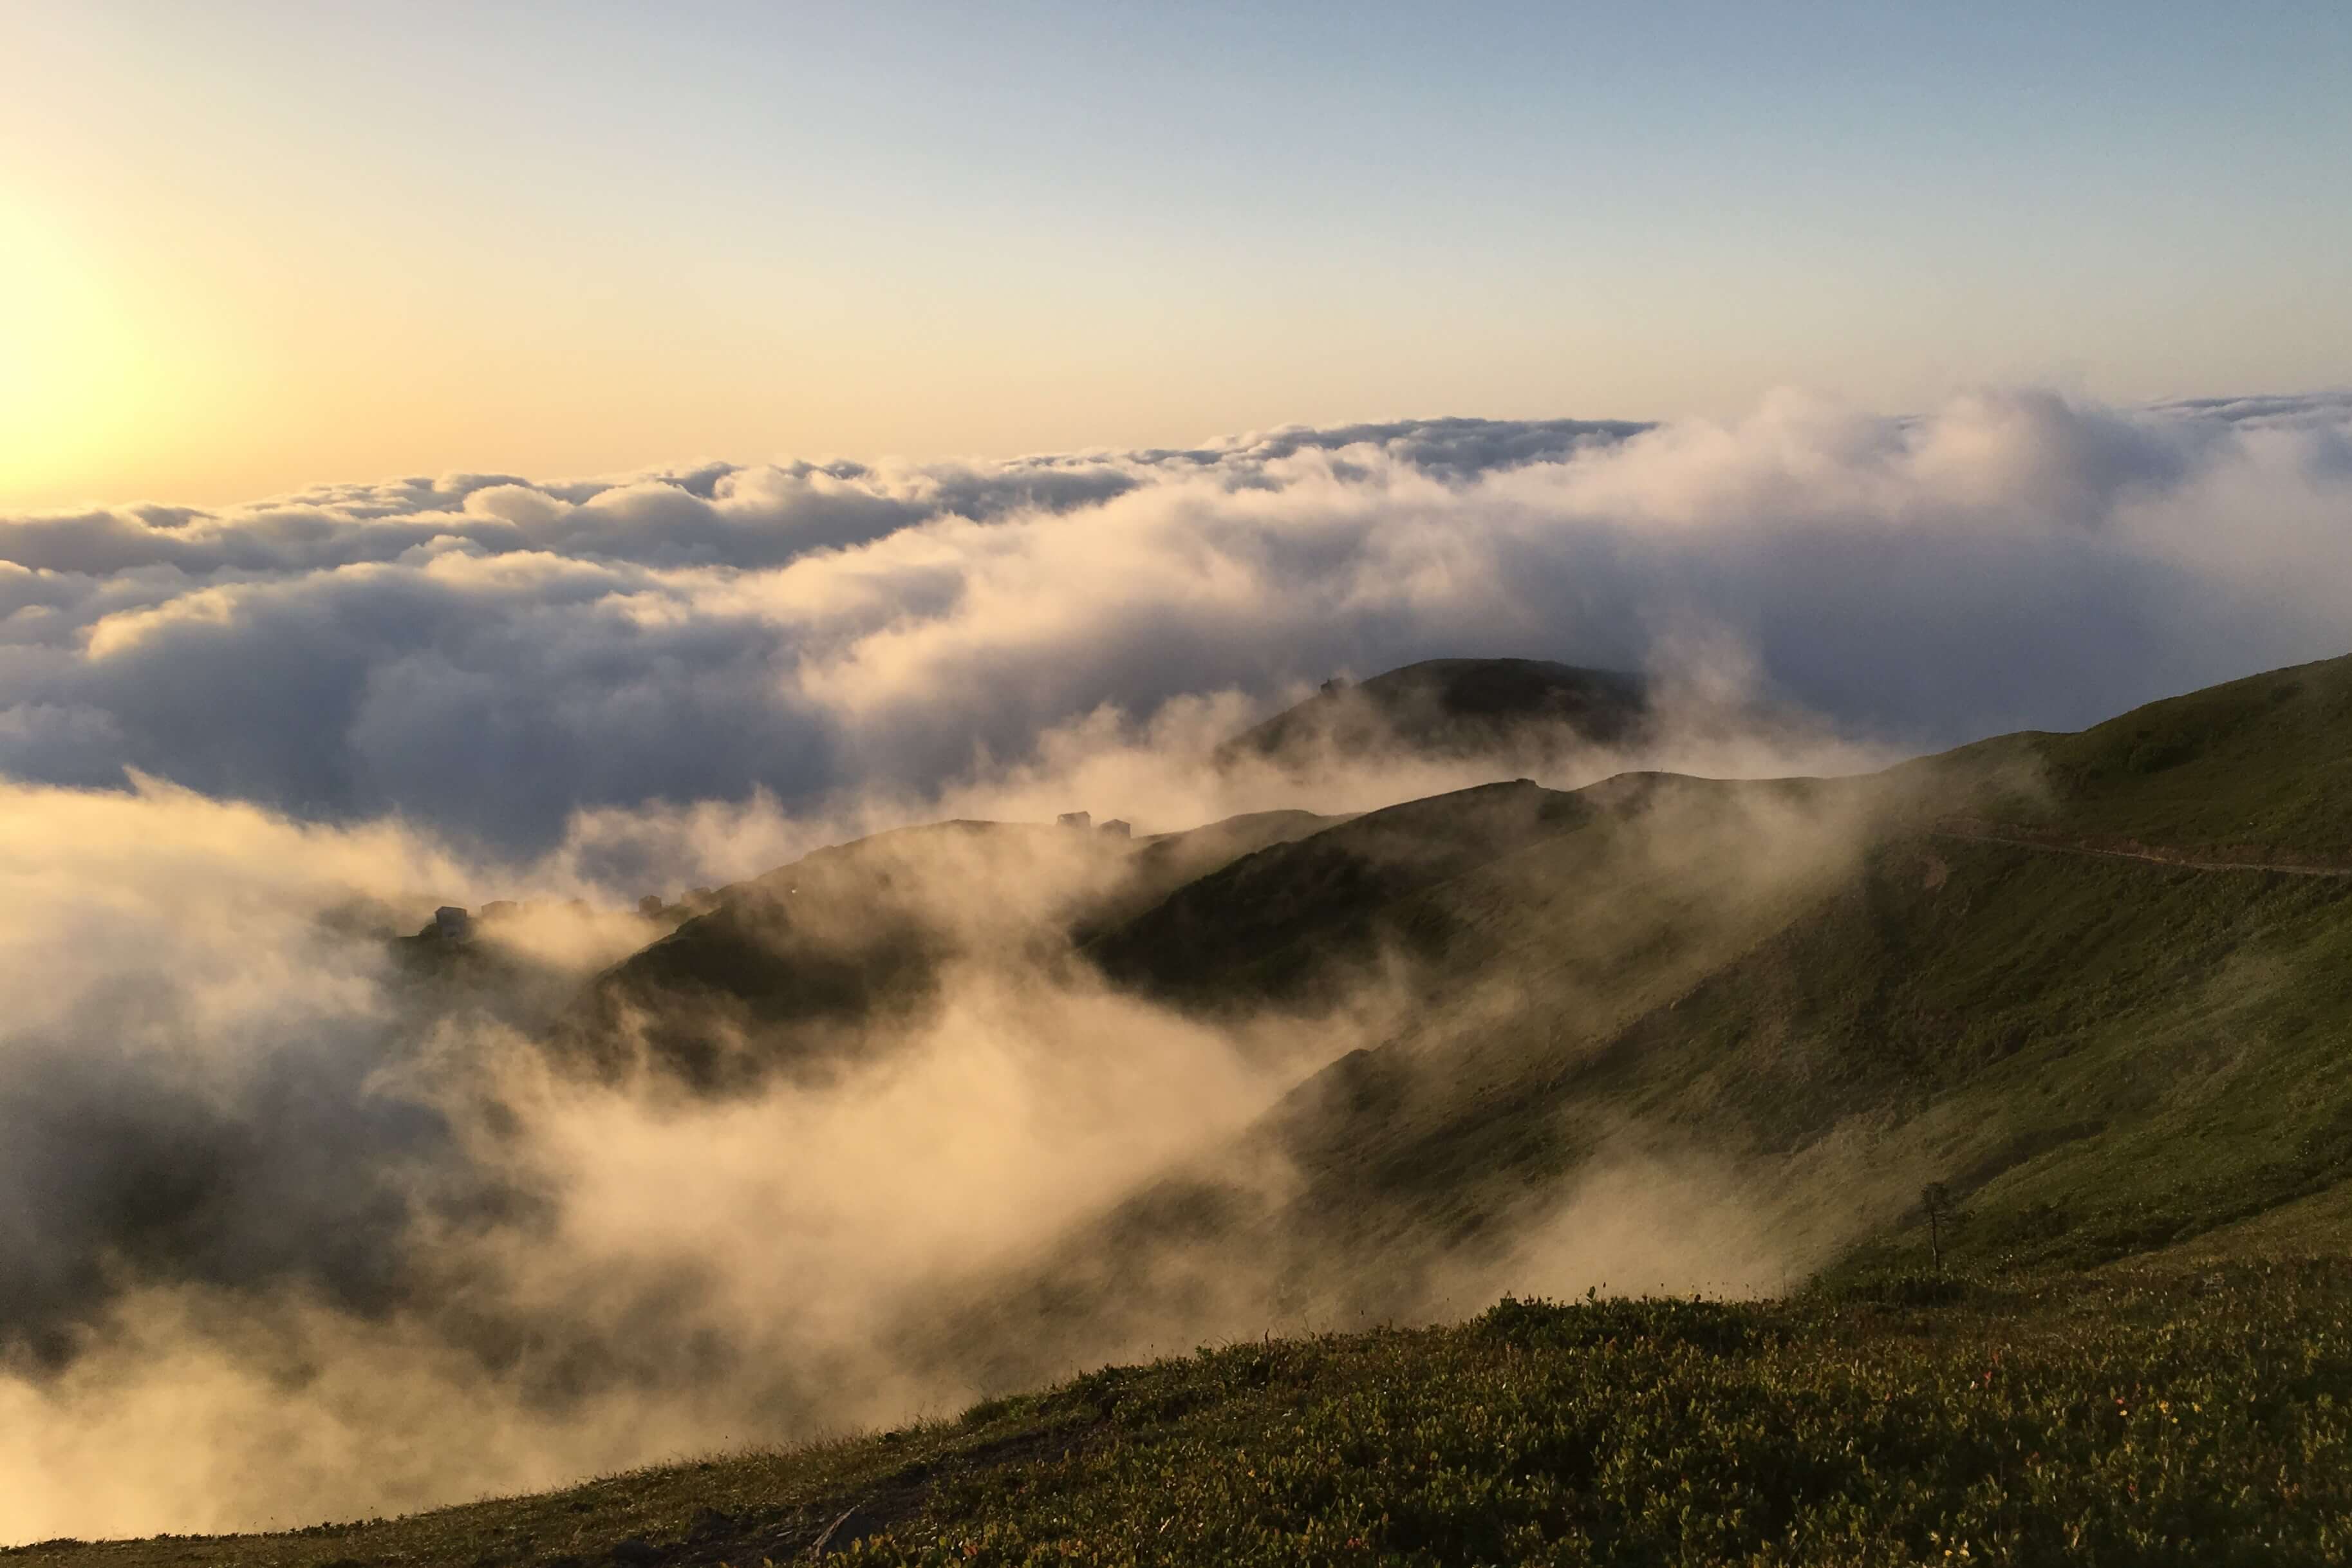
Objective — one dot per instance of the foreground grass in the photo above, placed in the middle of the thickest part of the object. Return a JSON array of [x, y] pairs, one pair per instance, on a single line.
[[2191, 1415]]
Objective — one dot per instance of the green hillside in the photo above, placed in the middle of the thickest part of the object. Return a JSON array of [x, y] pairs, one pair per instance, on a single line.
[[1265, 925], [2096, 987], [2256, 769], [819, 961], [1841, 987], [1829, 990], [2184, 1416], [1845, 997], [1519, 708]]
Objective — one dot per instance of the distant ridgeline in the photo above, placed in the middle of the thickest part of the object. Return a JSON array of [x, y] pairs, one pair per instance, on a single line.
[[1949, 1040], [2097, 985], [1521, 708]]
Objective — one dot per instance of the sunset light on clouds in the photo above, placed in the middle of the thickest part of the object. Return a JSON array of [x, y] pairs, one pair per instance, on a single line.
[[253, 247], [733, 725]]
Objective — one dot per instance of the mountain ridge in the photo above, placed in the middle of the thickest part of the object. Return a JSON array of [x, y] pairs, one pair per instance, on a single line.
[[1718, 1031], [1512, 710]]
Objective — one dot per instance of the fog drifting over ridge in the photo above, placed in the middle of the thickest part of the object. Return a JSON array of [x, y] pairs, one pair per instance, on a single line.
[[294, 1236], [487, 657], [270, 1214]]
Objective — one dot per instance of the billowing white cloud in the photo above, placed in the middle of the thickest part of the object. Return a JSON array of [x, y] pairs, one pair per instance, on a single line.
[[295, 1227], [491, 655], [268, 1202]]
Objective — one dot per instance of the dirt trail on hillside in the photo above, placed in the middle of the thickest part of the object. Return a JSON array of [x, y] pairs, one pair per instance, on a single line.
[[2027, 838]]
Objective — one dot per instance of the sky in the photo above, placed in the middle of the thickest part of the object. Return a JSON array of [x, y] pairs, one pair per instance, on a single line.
[[553, 453], [249, 248]]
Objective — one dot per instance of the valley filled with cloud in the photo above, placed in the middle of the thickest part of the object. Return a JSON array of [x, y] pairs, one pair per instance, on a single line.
[[293, 1232], [490, 658]]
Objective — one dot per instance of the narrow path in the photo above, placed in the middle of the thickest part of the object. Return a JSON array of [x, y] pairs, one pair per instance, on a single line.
[[2152, 856]]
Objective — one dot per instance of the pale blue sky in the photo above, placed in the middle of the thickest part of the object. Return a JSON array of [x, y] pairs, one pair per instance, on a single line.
[[308, 240]]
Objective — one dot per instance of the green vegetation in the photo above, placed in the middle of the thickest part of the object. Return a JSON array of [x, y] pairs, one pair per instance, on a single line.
[[2195, 1415], [2064, 1137], [2094, 1057], [2097, 1057], [2257, 766], [810, 964], [1452, 707], [1288, 922]]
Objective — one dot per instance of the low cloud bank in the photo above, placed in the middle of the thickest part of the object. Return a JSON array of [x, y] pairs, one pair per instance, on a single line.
[[295, 1232], [298, 1230], [492, 657]]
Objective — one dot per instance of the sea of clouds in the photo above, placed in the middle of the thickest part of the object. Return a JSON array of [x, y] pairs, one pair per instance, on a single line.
[[490, 658], [288, 1234]]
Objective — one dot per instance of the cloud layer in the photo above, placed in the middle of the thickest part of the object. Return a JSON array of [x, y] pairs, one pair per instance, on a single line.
[[492, 656], [297, 1230], [293, 1229], [272, 1206]]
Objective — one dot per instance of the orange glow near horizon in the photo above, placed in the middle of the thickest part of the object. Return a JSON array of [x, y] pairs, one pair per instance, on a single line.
[[72, 370], [253, 247]]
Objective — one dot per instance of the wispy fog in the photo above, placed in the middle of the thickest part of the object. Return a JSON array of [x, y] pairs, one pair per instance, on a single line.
[[301, 1220], [304, 1223]]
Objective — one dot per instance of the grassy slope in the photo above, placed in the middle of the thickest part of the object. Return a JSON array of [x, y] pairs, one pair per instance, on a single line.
[[1269, 924], [790, 970], [2190, 1418], [2101, 1056], [1569, 921], [2262, 762], [2108, 1059], [1456, 707]]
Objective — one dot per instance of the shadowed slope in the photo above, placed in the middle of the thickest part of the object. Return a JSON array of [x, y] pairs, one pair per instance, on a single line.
[[1519, 709], [1725, 1027], [1269, 925], [1802, 987], [819, 962], [2099, 1055]]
